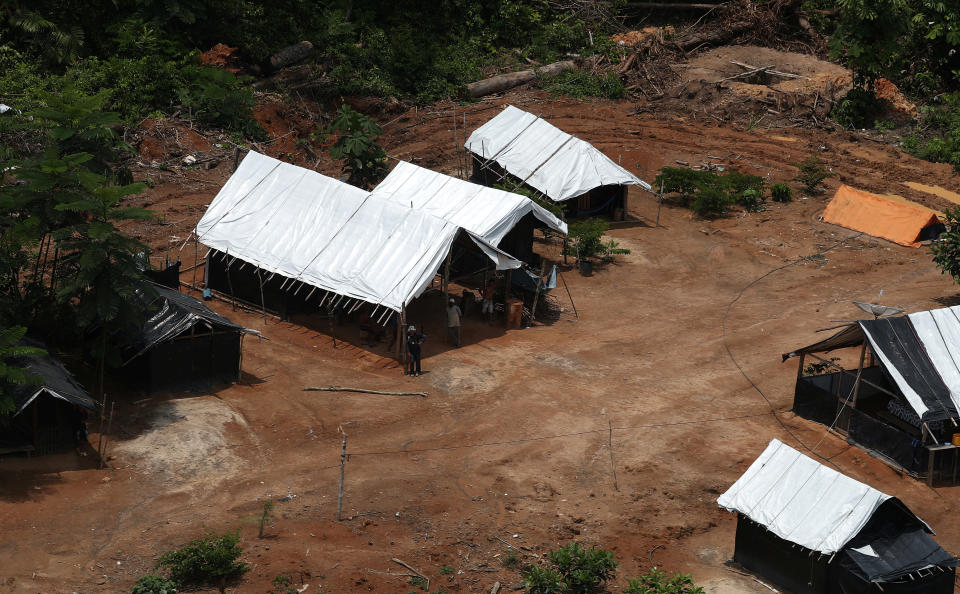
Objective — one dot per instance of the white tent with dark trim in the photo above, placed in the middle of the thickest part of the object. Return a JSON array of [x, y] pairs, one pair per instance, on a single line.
[[488, 212], [813, 530], [546, 158], [320, 232]]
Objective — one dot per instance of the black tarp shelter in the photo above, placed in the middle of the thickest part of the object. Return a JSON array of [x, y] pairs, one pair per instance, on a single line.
[[901, 401], [813, 530], [182, 344], [50, 410]]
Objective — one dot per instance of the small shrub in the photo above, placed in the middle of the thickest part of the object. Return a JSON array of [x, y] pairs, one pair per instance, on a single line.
[[154, 584], [208, 561], [710, 194], [711, 203], [364, 161], [658, 582], [578, 83], [811, 175], [587, 240], [282, 585], [264, 517], [585, 570], [781, 192], [446, 570], [510, 559], [544, 580]]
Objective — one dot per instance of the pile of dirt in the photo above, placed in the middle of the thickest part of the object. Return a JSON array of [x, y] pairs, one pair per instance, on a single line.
[[900, 108], [223, 57], [161, 140]]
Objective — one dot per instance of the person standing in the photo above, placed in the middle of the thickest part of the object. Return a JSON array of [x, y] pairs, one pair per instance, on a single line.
[[414, 340], [486, 310], [454, 314]]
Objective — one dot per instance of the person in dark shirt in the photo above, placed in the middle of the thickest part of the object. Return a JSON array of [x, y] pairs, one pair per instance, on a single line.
[[414, 340]]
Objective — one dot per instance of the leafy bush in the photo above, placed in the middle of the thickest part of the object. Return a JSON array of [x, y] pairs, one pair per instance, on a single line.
[[811, 174], [946, 249], [858, 109], [154, 584], [587, 240], [943, 121], [364, 161], [573, 569], [12, 361], [208, 561], [710, 194], [219, 98], [579, 83], [781, 192], [658, 582]]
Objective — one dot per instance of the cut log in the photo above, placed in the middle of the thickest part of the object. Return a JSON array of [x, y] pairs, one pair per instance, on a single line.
[[502, 82], [291, 55], [716, 36], [681, 5]]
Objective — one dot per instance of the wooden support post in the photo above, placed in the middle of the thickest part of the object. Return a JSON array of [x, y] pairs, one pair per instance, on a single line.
[[569, 296], [659, 202], [343, 465], [401, 335], [536, 295], [800, 366], [446, 294], [856, 383], [613, 465]]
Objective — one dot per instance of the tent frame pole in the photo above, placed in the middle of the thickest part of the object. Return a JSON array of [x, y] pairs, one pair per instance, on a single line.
[[856, 384], [446, 294]]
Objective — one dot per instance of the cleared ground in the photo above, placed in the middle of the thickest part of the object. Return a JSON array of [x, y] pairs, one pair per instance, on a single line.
[[513, 443]]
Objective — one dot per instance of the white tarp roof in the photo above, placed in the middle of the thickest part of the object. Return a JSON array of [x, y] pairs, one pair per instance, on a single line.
[[487, 212], [801, 500], [939, 331], [312, 228], [561, 166]]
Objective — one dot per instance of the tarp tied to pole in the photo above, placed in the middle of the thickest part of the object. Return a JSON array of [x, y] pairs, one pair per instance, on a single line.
[[487, 212], [316, 230], [561, 166]]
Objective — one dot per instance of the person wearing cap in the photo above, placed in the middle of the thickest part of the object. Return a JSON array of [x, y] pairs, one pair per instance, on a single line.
[[453, 321], [414, 340]]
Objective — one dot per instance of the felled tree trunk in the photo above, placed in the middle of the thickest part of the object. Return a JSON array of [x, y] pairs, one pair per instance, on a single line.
[[291, 55], [502, 82], [715, 37]]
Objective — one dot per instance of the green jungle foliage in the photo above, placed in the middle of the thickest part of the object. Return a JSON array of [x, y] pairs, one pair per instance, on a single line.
[[12, 372], [659, 582], [154, 584], [364, 161], [710, 194], [946, 249], [207, 561], [578, 83]]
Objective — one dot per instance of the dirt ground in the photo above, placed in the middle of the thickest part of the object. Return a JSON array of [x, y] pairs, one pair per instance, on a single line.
[[517, 442]]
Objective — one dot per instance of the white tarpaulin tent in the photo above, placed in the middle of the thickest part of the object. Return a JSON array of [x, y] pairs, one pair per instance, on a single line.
[[487, 212], [801, 500], [321, 232], [939, 331], [544, 157]]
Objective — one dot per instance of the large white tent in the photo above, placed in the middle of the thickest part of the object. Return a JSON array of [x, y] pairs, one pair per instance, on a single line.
[[327, 234], [487, 212], [546, 158]]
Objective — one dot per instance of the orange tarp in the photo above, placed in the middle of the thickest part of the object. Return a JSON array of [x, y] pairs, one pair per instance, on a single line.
[[899, 222]]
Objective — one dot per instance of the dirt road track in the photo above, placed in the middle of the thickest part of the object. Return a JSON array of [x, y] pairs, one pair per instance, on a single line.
[[514, 436]]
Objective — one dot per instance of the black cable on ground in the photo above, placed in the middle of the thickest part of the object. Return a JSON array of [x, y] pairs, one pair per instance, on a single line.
[[726, 345]]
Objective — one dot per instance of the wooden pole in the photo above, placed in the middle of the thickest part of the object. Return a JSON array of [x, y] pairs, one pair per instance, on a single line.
[[196, 259], [536, 295], [613, 464], [800, 367], [659, 202], [343, 465], [401, 334], [103, 455], [856, 383], [574, 305], [263, 302], [446, 292]]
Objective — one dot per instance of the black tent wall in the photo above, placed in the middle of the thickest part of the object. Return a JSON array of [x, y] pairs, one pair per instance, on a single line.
[[243, 282], [816, 398], [777, 560], [55, 421], [189, 362]]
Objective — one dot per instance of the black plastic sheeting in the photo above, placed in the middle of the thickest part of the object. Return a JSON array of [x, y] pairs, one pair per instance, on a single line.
[[897, 542], [850, 336], [53, 376], [901, 543], [174, 314], [168, 277], [897, 340]]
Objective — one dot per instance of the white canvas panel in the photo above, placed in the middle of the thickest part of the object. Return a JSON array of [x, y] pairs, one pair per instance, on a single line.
[[939, 331], [487, 212], [557, 164], [801, 500]]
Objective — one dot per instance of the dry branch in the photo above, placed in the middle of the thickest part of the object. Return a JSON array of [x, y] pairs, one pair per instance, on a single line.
[[395, 560], [362, 391]]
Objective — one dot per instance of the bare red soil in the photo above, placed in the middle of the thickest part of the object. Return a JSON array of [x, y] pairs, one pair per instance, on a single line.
[[513, 445]]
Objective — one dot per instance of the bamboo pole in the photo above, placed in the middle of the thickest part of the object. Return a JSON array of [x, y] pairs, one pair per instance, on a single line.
[[446, 293], [536, 295], [343, 464], [856, 384]]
